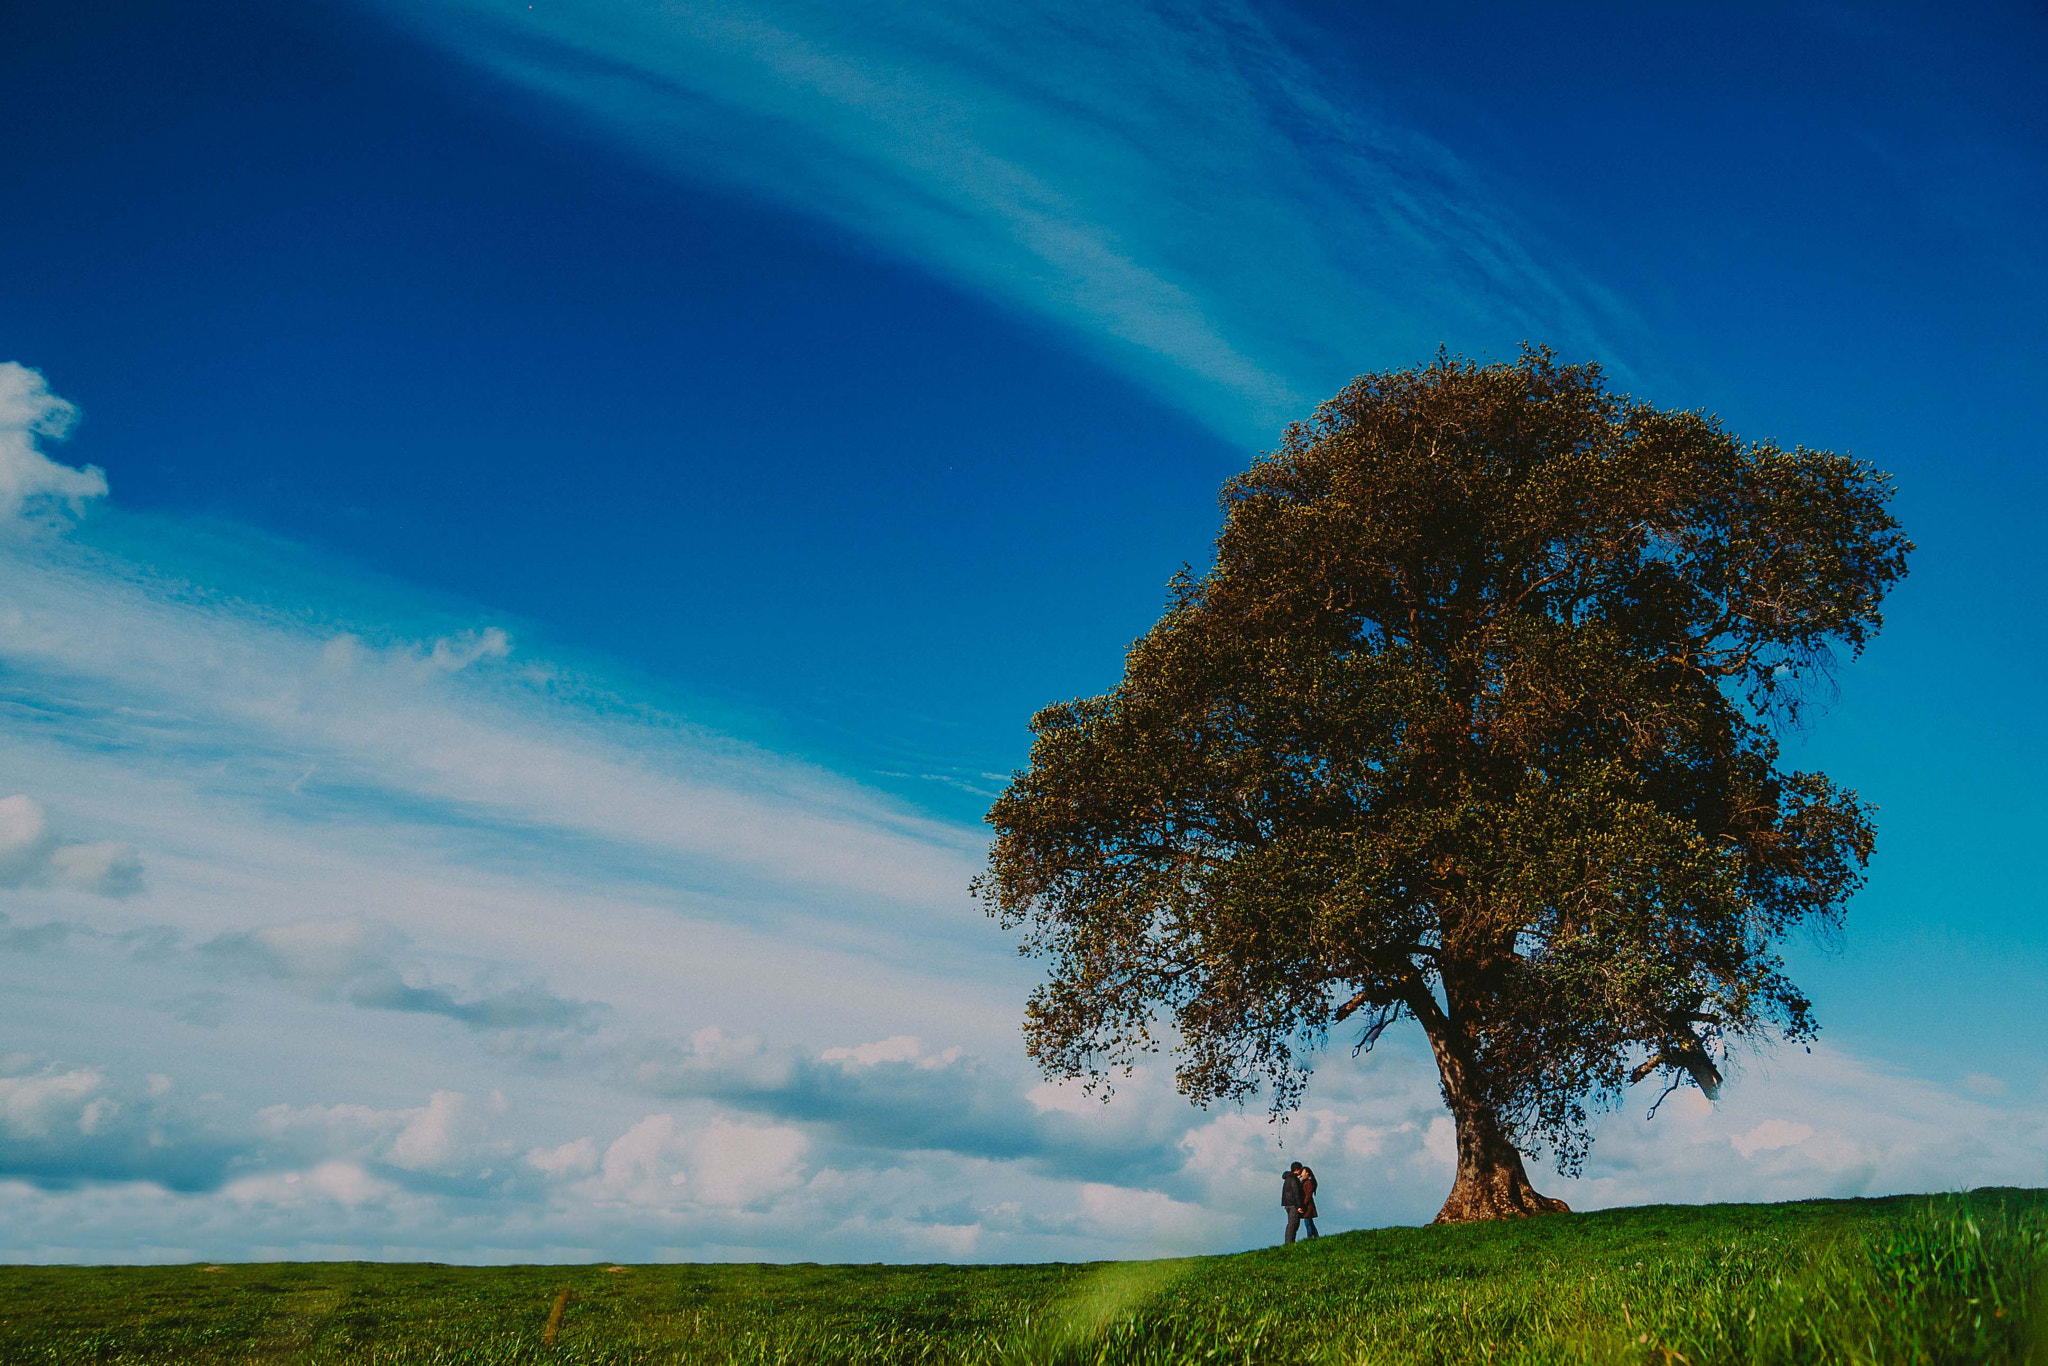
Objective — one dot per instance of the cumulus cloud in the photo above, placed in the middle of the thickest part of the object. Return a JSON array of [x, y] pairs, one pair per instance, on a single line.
[[62, 1125], [32, 485], [578, 1157], [1770, 1136], [32, 855], [449, 1135], [31, 1106], [1120, 1211], [329, 1183], [662, 1164]]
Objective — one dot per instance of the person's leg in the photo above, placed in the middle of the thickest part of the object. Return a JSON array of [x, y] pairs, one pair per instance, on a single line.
[[1310, 1225], [1293, 1223]]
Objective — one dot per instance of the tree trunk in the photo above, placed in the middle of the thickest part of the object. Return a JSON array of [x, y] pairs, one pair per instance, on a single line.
[[1491, 1182]]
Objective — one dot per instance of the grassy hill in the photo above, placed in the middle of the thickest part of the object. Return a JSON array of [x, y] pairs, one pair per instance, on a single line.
[[1905, 1280]]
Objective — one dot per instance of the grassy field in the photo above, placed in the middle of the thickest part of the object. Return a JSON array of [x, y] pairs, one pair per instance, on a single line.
[[1907, 1280]]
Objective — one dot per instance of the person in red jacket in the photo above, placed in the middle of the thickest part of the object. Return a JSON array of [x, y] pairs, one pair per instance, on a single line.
[[1308, 1198]]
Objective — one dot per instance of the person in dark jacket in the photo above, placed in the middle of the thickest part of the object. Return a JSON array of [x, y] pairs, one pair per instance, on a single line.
[[1291, 1197]]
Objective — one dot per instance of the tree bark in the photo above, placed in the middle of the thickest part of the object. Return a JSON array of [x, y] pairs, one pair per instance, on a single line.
[[1491, 1182]]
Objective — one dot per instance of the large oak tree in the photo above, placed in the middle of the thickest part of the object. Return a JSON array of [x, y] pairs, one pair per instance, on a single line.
[[1471, 723]]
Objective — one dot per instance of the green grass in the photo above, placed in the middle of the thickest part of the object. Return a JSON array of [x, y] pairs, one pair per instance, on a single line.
[[1907, 1280]]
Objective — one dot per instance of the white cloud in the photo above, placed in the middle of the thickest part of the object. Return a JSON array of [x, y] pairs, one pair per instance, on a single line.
[[1068, 1097], [451, 654], [1440, 1142], [1769, 1136], [41, 1106], [31, 484], [906, 1048], [577, 1157], [106, 867], [740, 1165], [661, 1163], [339, 1183], [1363, 1142], [98, 1112], [320, 954], [431, 1137], [25, 839], [30, 854], [449, 1134], [1143, 1215], [644, 1165], [901, 1048]]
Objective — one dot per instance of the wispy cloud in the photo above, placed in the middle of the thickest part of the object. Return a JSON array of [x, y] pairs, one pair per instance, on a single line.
[[308, 714], [1185, 188]]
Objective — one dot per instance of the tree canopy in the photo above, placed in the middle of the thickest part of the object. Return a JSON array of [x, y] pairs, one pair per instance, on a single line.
[[1472, 721]]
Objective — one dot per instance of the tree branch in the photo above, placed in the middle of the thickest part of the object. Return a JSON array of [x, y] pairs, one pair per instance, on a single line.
[[1690, 1058], [1345, 1011]]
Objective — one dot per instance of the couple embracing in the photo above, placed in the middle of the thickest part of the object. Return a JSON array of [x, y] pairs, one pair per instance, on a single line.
[[1298, 1198]]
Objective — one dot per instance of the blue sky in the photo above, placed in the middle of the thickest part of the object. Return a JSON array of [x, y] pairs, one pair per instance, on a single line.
[[532, 534]]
